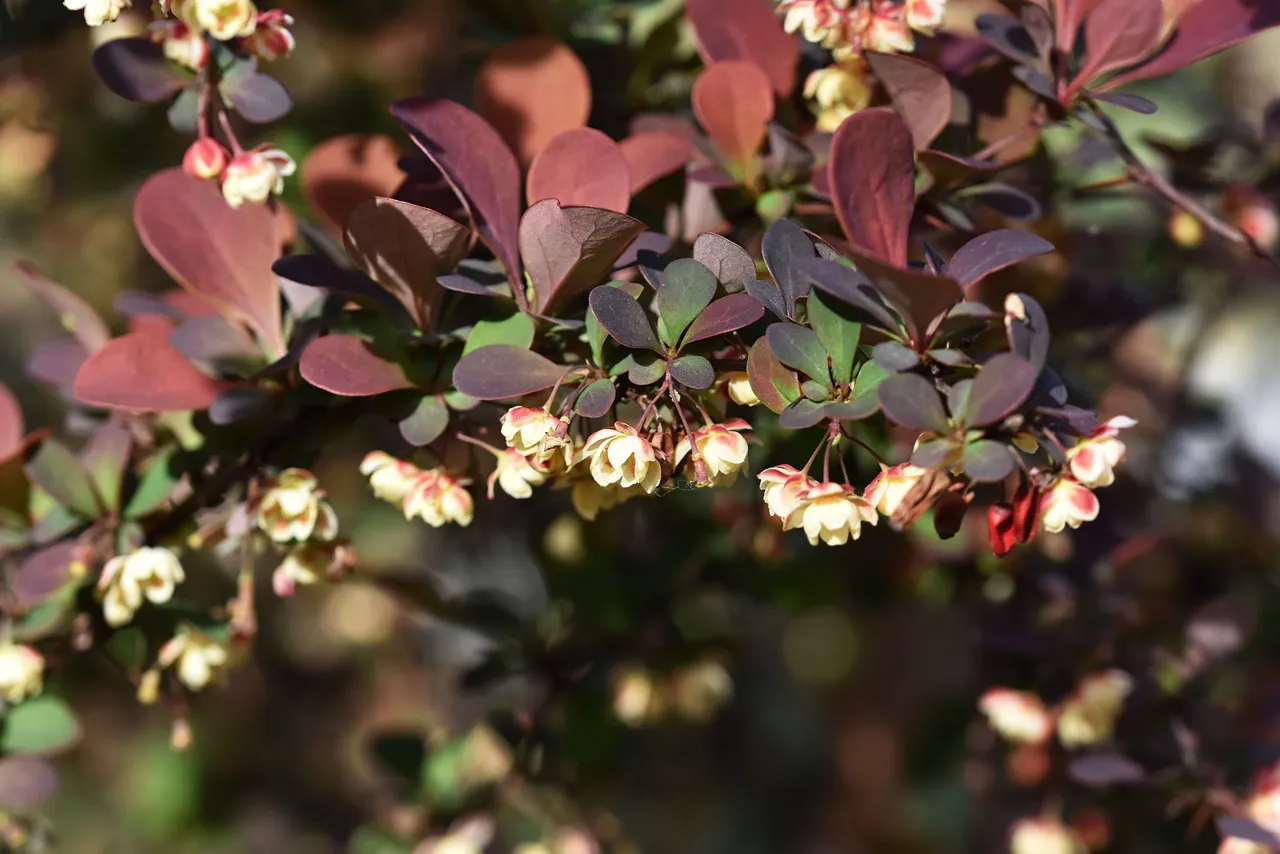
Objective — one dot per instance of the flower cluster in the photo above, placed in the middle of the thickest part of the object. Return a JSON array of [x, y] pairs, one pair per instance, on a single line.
[[247, 176], [1086, 717], [197, 660], [150, 573], [432, 494], [695, 692], [295, 516], [831, 512]]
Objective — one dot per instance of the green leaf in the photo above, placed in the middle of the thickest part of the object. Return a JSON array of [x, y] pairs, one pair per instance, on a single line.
[[45, 619], [155, 487], [41, 725], [596, 399], [815, 391], [798, 347], [775, 385], [645, 369], [837, 332], [105, 458], [459, 402], [802, 414], [689, 289], [870, 375], [987, 461], [57, 471], [515, 329], [427, 422], [693, 371], [370, 840], [596, 336]]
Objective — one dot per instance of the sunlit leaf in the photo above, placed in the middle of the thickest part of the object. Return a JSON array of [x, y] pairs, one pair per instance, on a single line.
[[919, 91], [873, 182], [798, 347], [733, 101], [689, 289], [749, 30], [774, 385], [39, 726], [500, 372], [347, 366], [623, 318], [581, 166], [569, 250]]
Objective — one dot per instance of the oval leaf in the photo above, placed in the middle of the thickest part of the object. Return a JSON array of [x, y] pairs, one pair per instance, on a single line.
[[74, 314], [802, 414], [342, 172], [798, 347], [427, 423], [144, 373], [732, 265], [501, 371], [693, 371], [725, 315], [259, 98], [768, 295], [581, 166], [785, 244], [919, 91], [44, 573], [688, 288], [568, 250], [596, 399], [136, 69], [12, 429], [773, 384], [346, 366], [749, 30], [40, 726], [654, 155], [838, 332], [995, 251], [515, 329], [986, 461], [733, 101], [530, 90], [623, 318], [1119, 33], [911, 401], [25, 781], [1002, 385], [873, 182]]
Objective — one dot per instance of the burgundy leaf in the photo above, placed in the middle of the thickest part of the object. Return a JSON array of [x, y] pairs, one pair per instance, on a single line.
[[501, 371], [949, 169], [919, 297], [56, 362], [987, 461], [654, 155], [850, 286], [873, 183], [773, 383], [26, 781], [1117, 34], [342, 172], [623, 318], [725, 315], [530, 90], [749, 30], [732, 265], [405, 248], [801, 414], [911, 401], [480, 167], [1003, 384], [221, 254], [784, 244], [12, 429], [568, 250], [45, 572], [136, 69], [1068, 15], [596, 399], [995, 251], [346, 366], [1007, 35], [648, 248], [734, 104], [1099, 770], [75, 315], [1208, 27], [693, 371], [919, 91], [145, 373], [1128, 101], [581, 166]]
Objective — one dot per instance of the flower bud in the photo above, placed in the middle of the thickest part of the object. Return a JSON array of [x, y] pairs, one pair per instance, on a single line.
[[516, 475], [271, 37], [206, 159], [1185, 230], [738, 386]]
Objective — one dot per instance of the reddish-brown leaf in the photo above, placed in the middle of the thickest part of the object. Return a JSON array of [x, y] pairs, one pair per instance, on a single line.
[[220, 253], [75, 315], [480, 167], [920, 93], [405, 248], [1206, 28], [12, 429], [654, 155], [531, 90], [346, 366], [749, 30], [145, 373], [1119, 33], [873, 183], [581, 166], [734, 103], [1068, 15], [342, 172], [45, 572], [569, 249]]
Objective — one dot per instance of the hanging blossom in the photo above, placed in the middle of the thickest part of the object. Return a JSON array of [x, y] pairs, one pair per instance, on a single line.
[[537, 434], [294, 510], [308, 563], [892, 485], [1018, 716], [255, 176], [849, 27], [737, 385], [1086, 718], [21, 673], [196, 657], [721, 447], [839, 90], [222, 19], [98, 12], [181, 43], [831, 512], [619, 455], [432, 495], [1262, 807], [150, 573], [271, 38], [1044, 835]]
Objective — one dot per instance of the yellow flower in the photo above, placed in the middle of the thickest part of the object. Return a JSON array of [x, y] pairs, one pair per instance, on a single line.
[[738, 386], [833, 513], [98, 12], [439, 499], [1088, 717], [892, 485], [535, 433], [303, 565], [254, 176], [390, 479], [222, 19], [590, 498], [784, 489], [1019, 716], [840, 90], [620, 455], [516, 475], [721, 447], [198, 657], [149, 573], [21, 673], [293, 510]]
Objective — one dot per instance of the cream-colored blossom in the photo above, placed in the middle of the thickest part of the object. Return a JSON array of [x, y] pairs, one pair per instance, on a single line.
[[199, 658], [892, 485], [590, 499], [1018, 716], [1088, 716], [1094, 458], [254, 176], [1067, 504], [150, 573], [222, 19], [535, 432], [784, 489], [390, 479], [98, 12], [722, 447], [21, 672], [439, 499], [294, 510], [619, 455], [737, 385], [1044, 836], [516, 474], [832, 513], [839, 91]]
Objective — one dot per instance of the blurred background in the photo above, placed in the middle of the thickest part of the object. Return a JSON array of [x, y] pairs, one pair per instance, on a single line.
[[724, 688]]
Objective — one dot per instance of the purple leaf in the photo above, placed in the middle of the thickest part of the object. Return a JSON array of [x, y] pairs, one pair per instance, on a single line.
[[873, 177], [500, 372], [1119, 33], [478, 165], [768, 295], [12, 427], [570, 249], [994, 251], [75, 315], [725, 315], [693, 371], [26, 781], [239, 404], [772, 382], [654, 155], [912, 402], [1099, 770], [1003, 384], [649, 247], [1127, 101], [346, 366], [1251, 831], [920, 298], [802, 414], [259, 98], [850, 286], [732, 265], [919, 91], [987, 461], [623, 318], [596, 399], [44, 573], [747, 30], [1007, 35], [212, 341], [1027, 328], [784, 245], [1006, 200], [136, 69]]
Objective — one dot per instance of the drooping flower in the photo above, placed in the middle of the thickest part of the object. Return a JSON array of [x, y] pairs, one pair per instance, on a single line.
[[535, 433], [1067, 504], [390, 479], [98, 12], [222, 19], [888, 32], [253, 176], [294, 510], [1262, 806], [438, 499], [721, 447], [832, 513], [620, 455], [198, 657], [926, 16], [21, 673], [784, 489], [150, 573], [206, 159], [823, 22], [304, 565], [737, 384], [1088, 717], [590, 499], [516, 475], [892, 485], [1043, 836], [181, 44], [271, 38], [636, 698], [1094, 458], [840, 90], [1018, 716]]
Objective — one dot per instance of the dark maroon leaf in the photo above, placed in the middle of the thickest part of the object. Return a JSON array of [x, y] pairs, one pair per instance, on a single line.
[[693, 371], [949, 169], [75, 315], [581, 166], [920, 298], [500, 371], [259, 98], [219, 253], [654, 155], [783, 246], [1007, 35], [317, 271], [26, 781], [895, 357], [479, 166], [860, 407], [748, 30], [725, 315], [1006, 200], [987, 461], [850, 286], [1119, 33], [802, 414], [933, 261], [596, 399], [623, 318], [789, 158], [570, 249], [732, 265], [919, 91], [768, 295], [1027, 328], [427, 422], [911, 401], [145, 373], [44, 573], [1002, 385], [995, 251], [213, 341], [649, 249], [798, 347], [873, 178], [1243, 828], [772, 382], [1071, 419], [734, 104], [466, 285], [240, 404], [348, 367], [136, 69], [1127, 101]]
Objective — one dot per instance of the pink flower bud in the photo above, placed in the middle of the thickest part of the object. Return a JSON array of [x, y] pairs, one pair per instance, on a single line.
[[271, 38], [206, 159]]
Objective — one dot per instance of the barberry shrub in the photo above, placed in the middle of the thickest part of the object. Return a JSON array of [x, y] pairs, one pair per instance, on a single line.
[[796, 296]]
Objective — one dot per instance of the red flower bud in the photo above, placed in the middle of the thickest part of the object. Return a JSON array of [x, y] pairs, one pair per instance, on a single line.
[[206, 159], [1011, 524]]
